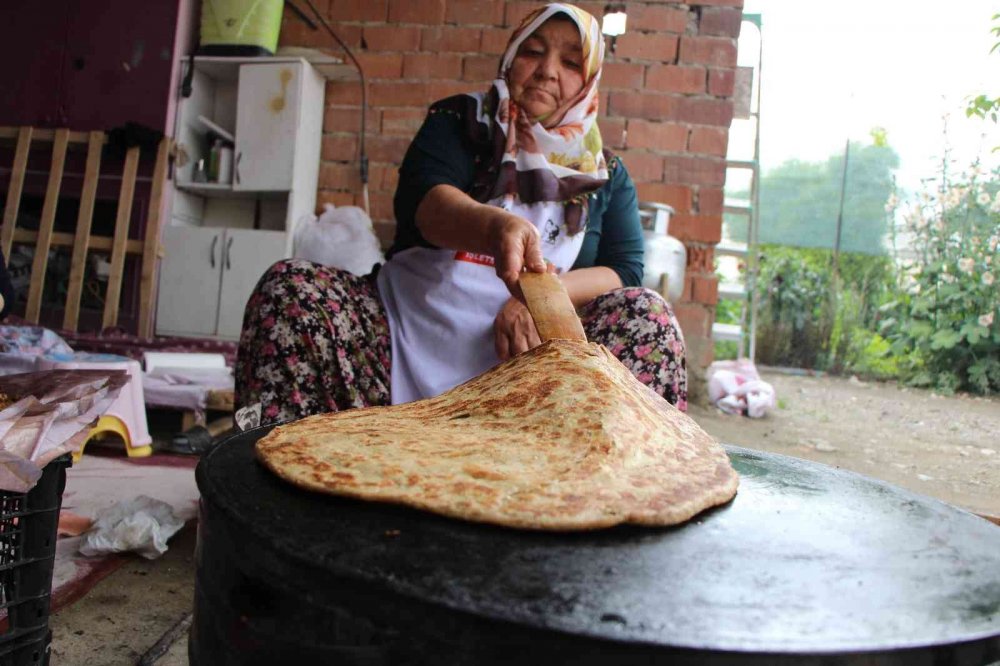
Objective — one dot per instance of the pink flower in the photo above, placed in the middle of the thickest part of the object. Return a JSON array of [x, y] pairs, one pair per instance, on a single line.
[[613, 318], [643, 350], [341, 353], [645, 377], [296, 397], [271, 411]]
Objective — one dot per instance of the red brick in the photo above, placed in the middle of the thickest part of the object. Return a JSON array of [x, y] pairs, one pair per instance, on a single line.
[[358, 10], [479, 68], [295, 32], [381, 206], [432, 66], [399, 93], [709, 141], [411, 11], [448, 38], [721, 21], [696, 228], [337, 198], [676, 78], [705, 289], [381, 65], [391, 37], [343, 92], [387, 148], [722, 3], [384, 178], [658, 136], [715, 51], [337, 176], [695, 320], [612, 131], [644, 167], [654, 18], [652, 46], [704, 111], [475, 12], [677, 196], [348, 119], [690, 170], [339, 147], [641, 105], [516, 11], [627, 75], [711, 200], [441, 89], [721, 82], [404, 121], [495, 41]]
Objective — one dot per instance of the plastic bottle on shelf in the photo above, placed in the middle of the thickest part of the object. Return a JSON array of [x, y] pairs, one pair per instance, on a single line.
[[213, 161]]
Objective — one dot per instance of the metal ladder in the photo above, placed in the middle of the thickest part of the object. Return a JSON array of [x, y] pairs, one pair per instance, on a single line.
[[744, 333]]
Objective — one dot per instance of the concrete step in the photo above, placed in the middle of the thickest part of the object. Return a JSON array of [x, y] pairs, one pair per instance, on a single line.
[[731, 249], [733, 291]]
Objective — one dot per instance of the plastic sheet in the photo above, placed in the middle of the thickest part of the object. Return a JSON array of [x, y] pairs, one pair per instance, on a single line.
[[341, 237], [736, 388]]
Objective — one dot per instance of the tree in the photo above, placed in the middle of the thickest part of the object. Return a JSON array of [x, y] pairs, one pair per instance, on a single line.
[[799, 200]]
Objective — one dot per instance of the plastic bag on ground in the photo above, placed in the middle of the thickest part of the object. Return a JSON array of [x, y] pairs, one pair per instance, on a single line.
[[141, 524], [736, 388], [342, 237]]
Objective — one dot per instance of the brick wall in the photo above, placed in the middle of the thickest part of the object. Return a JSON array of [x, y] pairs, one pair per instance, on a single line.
[[665, 106]]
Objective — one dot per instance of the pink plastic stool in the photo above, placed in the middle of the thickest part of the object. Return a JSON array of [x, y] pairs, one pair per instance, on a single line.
[[126, 417]]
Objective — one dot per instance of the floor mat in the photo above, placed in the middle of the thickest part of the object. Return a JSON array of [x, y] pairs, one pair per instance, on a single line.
[[100, 480]]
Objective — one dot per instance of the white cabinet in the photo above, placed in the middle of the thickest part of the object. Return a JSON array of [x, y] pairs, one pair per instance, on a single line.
[[267, 117], [223, 236], [217, 269]]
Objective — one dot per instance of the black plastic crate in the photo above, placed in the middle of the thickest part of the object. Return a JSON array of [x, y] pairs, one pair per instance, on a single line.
[[28, 530]]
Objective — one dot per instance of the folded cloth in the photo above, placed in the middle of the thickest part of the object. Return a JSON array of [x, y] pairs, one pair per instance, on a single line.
[[22, 346], [736, 388]]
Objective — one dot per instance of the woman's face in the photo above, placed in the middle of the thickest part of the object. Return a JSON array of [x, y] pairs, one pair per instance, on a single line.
[[548, 69]]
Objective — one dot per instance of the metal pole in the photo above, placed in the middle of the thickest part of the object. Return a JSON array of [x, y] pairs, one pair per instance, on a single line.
[[840, 211], [753, 263]]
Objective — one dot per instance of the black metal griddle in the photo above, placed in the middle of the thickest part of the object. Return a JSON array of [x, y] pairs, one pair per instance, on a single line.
[[807, 565]]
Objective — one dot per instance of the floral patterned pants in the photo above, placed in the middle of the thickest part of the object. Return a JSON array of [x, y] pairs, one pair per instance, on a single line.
[[316, 339]]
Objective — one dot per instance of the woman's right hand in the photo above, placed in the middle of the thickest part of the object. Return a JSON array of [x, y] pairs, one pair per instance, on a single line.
[[516, 246]]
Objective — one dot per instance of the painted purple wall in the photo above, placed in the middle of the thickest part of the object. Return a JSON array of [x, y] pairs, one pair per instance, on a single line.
[[85, 64]]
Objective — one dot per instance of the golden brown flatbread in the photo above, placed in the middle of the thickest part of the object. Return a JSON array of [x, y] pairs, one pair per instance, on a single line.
[[562, 437]]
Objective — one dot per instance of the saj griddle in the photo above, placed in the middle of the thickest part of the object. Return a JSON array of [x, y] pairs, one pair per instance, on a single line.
[[807, 565]]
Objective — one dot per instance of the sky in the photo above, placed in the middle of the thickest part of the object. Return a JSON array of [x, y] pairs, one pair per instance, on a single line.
[[834, 70]]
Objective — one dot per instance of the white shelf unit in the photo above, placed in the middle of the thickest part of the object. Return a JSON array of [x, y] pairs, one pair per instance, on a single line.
[[223, 236]]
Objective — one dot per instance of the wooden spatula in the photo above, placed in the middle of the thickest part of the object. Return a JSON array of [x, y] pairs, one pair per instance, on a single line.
[[550, 307]]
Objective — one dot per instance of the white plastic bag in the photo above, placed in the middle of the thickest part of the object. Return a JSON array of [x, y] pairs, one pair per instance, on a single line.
[[342, 237], [142, 524], [736, 388]]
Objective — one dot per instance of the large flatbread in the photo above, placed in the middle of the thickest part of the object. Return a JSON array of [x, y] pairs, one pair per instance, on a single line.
[[562, 437]]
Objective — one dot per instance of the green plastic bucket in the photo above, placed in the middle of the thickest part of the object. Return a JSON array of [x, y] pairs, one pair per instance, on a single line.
[[240, 27]]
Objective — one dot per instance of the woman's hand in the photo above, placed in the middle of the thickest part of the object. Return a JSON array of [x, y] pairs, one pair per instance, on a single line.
[[515, 246], [514, 330]]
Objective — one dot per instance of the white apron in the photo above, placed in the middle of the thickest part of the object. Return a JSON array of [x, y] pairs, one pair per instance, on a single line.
[[441, 305]]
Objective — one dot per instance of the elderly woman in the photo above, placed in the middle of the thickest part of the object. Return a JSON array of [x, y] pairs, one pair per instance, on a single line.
[[514, 179]]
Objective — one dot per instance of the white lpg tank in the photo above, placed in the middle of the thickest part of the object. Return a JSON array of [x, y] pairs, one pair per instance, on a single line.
[[665, 256]]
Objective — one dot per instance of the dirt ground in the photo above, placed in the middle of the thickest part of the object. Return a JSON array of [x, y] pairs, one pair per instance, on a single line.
[[947, 447]]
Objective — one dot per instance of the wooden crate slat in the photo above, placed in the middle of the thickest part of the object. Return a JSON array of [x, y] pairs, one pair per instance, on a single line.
[[147, 285], [14, 189], [62, 239], [78, 263], [47, 135], [126, 193], [41, 259]]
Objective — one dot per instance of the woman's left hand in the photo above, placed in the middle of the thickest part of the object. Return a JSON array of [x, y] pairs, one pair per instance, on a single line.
[[514, 330]]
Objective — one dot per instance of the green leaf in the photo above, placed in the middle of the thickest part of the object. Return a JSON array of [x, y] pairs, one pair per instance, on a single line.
[[945, 338]]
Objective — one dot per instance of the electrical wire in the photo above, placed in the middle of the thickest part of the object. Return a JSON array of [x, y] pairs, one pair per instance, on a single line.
[[363, 157]]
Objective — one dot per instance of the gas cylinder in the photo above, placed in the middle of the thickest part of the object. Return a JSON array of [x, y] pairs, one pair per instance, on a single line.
[[664, 254]]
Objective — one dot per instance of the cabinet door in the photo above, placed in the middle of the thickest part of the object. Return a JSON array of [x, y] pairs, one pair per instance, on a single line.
[[247, 254], [267, 119], [188, 300]]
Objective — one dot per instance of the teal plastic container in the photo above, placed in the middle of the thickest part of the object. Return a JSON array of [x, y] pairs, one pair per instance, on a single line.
[[240, 27]]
